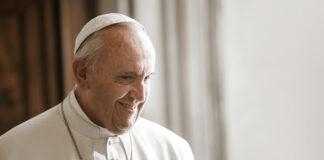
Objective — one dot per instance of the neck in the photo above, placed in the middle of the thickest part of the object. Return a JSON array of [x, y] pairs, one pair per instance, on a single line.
[[86, 106]]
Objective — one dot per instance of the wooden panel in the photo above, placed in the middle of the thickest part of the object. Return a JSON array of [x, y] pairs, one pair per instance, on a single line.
[[33, 47], [52, 61], [12, 103], [74, 14], [36, 52], [30, 71]]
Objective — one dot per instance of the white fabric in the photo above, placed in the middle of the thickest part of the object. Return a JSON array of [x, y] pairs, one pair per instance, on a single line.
[[46, 137], [100, 22], [108, 148]]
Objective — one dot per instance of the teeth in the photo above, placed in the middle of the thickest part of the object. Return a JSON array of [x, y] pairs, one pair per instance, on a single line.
[[127, 105]]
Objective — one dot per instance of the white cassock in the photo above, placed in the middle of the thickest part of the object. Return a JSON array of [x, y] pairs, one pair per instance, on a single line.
[[45, 137]]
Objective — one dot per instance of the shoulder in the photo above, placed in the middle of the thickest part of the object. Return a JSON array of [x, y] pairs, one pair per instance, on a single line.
[[155, 130], [44, 120], [32, 132], [160, 138]]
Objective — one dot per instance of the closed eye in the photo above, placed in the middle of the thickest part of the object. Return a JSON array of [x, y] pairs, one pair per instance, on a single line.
[[125, 79]]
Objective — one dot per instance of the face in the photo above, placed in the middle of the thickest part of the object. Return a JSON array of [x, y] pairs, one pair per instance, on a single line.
[[120, 84]]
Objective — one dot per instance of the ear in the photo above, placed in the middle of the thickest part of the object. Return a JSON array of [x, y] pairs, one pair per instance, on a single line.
[[80, 73]]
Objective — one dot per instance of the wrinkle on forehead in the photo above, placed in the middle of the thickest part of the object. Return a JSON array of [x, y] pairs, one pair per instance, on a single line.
[[129, 36], [128, 44]]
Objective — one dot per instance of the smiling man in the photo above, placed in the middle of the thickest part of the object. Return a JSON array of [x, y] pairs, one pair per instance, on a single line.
[[100, 119], [114, 90]]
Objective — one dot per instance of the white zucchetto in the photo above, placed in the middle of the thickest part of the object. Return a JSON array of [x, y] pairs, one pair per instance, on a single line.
[[99, 23]]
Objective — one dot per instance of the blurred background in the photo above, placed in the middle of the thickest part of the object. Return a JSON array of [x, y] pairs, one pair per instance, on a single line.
[[239, 80]]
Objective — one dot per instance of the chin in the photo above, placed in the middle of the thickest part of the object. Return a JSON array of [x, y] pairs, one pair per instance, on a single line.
[[124, 128], [120, 131], [121, 128]]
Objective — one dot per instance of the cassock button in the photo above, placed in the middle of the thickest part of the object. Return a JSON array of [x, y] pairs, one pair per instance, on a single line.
[[110, 142]]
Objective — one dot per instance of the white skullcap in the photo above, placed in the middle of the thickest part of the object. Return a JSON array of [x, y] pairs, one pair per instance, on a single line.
[[99, 23]]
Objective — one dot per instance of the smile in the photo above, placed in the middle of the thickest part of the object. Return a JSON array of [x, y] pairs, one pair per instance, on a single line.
[[127, 105]]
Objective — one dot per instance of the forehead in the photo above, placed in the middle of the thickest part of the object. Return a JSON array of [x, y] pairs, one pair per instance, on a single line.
[[127, 48]]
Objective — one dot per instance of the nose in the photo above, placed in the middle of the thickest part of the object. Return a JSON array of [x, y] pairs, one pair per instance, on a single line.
[[139, 92]]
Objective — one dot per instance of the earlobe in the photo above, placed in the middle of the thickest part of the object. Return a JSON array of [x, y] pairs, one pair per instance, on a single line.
[[80, 73]]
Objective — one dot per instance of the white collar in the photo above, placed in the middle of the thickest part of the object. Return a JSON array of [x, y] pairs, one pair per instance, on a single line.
[[80, 122]]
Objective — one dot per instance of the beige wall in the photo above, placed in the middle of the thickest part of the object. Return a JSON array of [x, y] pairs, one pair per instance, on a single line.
[[273, 74]]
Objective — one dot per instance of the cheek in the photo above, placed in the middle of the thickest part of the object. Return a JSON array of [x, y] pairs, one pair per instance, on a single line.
[[102, 93], [115, 91]]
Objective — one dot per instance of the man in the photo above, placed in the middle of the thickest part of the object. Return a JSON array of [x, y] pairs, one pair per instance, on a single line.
[[100, 118]]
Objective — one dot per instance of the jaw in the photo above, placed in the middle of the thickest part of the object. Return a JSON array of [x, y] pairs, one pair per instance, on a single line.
[[124, 119]]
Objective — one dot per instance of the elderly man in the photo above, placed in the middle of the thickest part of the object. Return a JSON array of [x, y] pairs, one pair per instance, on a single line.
[[100, 118]]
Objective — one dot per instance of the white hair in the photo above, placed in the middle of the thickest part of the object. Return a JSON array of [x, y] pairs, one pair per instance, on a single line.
[[90, 50]]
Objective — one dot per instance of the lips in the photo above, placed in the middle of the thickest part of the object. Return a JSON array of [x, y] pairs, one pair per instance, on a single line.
[[128, 106]]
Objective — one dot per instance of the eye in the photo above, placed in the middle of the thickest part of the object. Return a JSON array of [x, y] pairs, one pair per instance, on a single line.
[[125, 79], [147, 78]]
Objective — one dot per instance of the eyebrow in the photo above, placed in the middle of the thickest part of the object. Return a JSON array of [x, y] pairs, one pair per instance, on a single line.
[[134, 73], [151, 74], [128, 73]]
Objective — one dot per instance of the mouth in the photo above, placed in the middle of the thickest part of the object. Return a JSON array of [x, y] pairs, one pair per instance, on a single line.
[[128, 106]]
